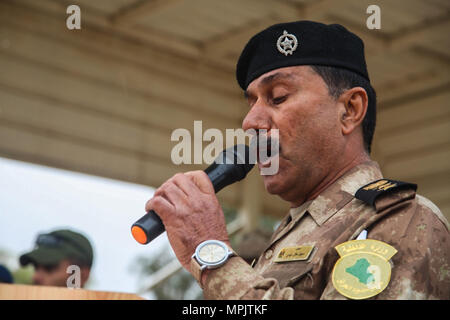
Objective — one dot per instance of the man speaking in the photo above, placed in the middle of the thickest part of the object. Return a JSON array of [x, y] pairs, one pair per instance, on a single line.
[[350, 233]]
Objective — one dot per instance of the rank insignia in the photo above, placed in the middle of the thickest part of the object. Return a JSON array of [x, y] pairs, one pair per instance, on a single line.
[[370, 192], [363, 269]]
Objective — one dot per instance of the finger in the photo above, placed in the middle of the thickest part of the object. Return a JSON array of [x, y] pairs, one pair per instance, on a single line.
[[161, 190], [160, 205], [201, 180], [175, 195], [185, 183], [166, 189]]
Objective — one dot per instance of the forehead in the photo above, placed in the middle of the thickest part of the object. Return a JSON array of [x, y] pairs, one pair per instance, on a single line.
[[294, 73]]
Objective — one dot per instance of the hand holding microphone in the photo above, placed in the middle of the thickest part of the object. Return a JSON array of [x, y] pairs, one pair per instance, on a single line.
[[184, 192]]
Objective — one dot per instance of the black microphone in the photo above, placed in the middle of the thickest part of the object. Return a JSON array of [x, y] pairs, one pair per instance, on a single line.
[[230, 166]]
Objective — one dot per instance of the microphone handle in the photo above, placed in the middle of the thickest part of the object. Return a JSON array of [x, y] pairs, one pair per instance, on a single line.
[[150, 226], [147, 228]]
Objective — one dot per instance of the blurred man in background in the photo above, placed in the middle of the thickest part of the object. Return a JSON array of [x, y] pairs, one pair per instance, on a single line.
[[5, 275], [54, 253]]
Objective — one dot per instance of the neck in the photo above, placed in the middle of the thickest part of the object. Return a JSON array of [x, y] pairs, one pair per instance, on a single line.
[[334, 175]]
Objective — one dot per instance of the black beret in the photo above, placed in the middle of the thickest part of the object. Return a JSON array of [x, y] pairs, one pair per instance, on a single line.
[[300, 43]]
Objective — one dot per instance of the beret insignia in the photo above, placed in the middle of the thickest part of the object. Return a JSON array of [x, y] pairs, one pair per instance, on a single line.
[[287, 43]]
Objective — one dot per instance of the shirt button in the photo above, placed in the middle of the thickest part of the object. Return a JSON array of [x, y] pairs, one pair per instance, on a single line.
[[269, 254]]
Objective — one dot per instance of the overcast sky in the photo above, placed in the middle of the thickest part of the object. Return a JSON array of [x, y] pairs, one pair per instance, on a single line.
[[36, 199]]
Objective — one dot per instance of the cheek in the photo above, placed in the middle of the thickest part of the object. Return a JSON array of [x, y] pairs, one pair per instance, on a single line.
[[309, 128], [288, 176], [297, 127], [59, 276], [292, 123]]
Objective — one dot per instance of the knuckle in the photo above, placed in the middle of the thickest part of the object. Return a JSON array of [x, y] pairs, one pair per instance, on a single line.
[[148, 205], [200, 173], [170, 187], [178, 175], [157, 202]]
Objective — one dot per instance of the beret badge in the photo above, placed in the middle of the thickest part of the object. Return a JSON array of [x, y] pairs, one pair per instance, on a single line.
[[287, 43]]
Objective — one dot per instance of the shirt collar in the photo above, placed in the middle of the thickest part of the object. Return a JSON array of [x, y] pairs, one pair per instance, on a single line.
[[338, 194], [299, 211]]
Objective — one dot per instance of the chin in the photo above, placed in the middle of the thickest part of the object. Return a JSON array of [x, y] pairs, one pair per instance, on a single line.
[[282, 183], [273, 183]]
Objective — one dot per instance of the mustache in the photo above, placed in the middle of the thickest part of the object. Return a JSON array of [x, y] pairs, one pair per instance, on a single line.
[[265, 147]]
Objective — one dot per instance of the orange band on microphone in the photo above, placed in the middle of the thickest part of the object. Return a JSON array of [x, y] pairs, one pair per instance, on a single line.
[[139, 235]]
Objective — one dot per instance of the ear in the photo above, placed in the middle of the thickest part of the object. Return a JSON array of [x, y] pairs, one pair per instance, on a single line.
[[85, 272], [354, 102]]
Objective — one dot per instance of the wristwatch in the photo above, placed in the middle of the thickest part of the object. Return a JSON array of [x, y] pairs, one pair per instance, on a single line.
[[210, 254]]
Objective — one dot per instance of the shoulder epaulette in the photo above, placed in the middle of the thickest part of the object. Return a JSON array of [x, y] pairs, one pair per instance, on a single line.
[[371, 191]]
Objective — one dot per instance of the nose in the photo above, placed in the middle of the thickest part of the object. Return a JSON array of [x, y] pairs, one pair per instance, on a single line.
[[257, 118]]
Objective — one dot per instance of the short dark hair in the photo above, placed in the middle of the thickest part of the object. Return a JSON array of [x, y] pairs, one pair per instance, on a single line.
[[338, 80]]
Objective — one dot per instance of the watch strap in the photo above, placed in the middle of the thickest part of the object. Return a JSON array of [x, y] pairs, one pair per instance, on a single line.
[[196, 270]]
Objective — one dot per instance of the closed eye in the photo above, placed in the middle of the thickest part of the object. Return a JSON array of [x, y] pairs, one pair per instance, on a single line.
[[279, 100]]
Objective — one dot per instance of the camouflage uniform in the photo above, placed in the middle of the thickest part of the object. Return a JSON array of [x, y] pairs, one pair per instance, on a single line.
[[408, 222]]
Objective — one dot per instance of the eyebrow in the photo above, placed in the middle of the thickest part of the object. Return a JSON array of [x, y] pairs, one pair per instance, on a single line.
[[269, 79]]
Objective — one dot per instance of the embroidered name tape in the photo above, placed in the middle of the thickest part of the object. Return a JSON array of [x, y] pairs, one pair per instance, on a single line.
[[298, 253]]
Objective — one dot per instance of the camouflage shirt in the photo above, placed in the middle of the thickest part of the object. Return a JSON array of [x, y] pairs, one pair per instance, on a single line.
[[410, 223]]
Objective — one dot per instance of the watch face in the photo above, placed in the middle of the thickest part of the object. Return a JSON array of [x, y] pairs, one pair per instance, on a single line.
[[212, 253]]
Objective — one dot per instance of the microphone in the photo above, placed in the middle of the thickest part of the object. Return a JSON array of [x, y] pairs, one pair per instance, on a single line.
[[230, 166]]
